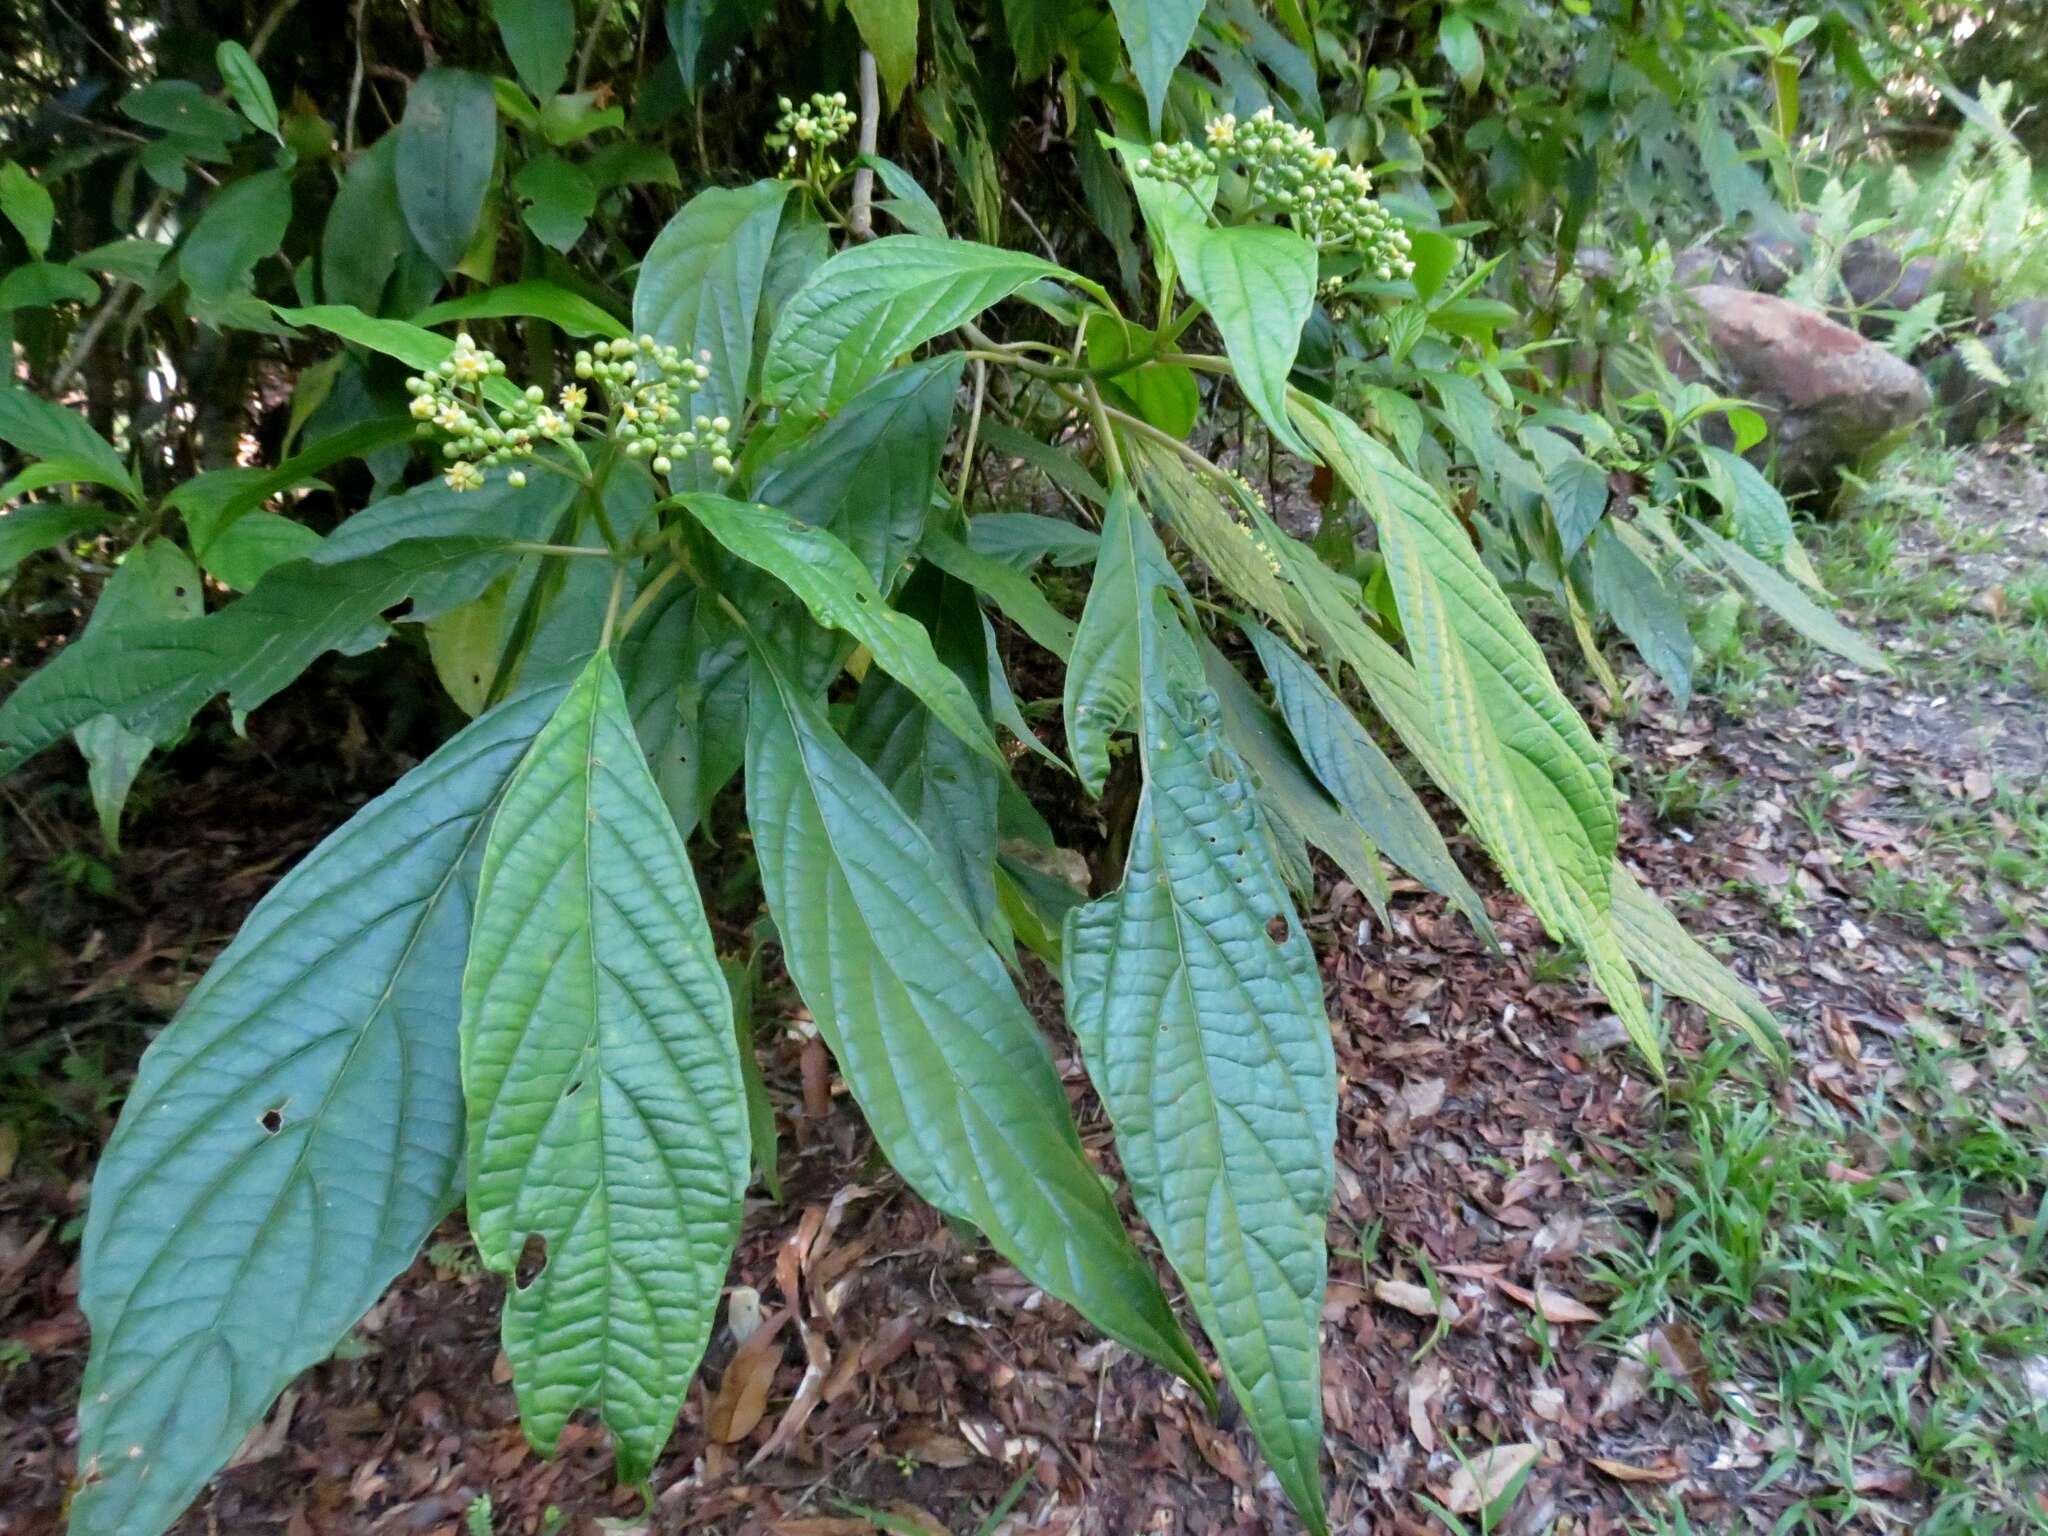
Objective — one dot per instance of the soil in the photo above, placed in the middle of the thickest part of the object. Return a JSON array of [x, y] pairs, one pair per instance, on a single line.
[[1483, 1098]]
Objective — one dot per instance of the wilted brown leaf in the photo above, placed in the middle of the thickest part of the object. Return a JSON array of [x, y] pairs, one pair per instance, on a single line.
[[1481, 1481]]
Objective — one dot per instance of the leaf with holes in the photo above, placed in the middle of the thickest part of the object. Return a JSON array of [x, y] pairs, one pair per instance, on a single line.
[[1199, 1009], [949, 1069], [606, 1113], [292, 1137]]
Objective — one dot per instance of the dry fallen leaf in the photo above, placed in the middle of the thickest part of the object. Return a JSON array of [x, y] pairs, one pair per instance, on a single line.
[[1662, 1472], [267, 1438], [1414, 1299], [1424, 1098], [1480, 1482], [1424, 1387], [1553, 1306], [1547, 1403], [742, 1396]]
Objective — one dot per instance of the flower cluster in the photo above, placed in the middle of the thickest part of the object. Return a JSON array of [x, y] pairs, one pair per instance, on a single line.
[[1241, 505], [450, 400], [815, 125], [647, 385], [1286, 170]]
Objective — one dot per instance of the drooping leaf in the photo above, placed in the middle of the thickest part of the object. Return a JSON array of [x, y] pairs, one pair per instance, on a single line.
[[40, 284], [1022, 539], [952, 1075], [447, 145], [33, 426], [1634, 596], [419, 349], [1010, 590], [908, 203], [559, 199], [1575, 485], [365, 234], [868, 473], [567, 311], [292, 1137], [684, 667], [1655, 941], [1156, 34], [889, 28], [28, 528], [153, 678], [866, 306], [1361, 778], [1102, 672], [1199, 1009], [605, 1109], [837, 590], [465, 643], [1258, 283], [539, 37], [1785, 599], [701, 283], [1763, 526], [1458, 40], [28, 206]]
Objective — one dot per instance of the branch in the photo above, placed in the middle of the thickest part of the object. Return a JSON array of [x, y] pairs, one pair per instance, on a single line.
[[861, 225]]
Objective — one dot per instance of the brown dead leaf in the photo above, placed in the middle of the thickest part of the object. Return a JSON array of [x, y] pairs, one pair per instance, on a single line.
[[810, 1391], [742, 1396], [1662, 1471], [1480, 1482], [1425, 1386], [1414, 1299], [1424, 1098], [1552, 1306], [269, 1437]]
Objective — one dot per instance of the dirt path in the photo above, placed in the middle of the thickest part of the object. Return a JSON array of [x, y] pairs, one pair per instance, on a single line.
[[1505, 1187]]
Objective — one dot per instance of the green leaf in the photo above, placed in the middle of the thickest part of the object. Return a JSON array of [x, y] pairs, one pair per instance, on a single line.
[[948, 1067], [867, 475], [1654, 940], [606, 1113], [1561, 779], [908, 203], [40, 284], [215, 503], [1203, 1030], [154, 678], [684, 666], [32, 426], [1763, 525], [1010, 590], [131, 260], [464, 644], [576, 115], [1258, 283], [29, 528], [889, 28], [420, 350], [1102, 672], [184, 110], [1785, 599], [245, 81], [365, 234], [867, 306], [447, 145], [1634, 596], [1062, 469], [1361, 778], [28, 207], [292, 1137], [1156, 34], [1022, 539], [1458, 41], [241, 226], [839, 593], [1164, 394], [568, 312], [1233, 539], [559, 200], [700, 285], [154, 583], [539, 37], [1576, 487]]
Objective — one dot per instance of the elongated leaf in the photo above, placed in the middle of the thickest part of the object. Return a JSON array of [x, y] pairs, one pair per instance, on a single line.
[[32, 426], [153, 678], [1790, 604], [27, 529], [1022, 539], [889, 28], [1063, 469], [570, 312], [1360, 777], [1634, 596], [365, 234], [1010, 590], [417, 348], [1576, 487], [1665, 952], [1204, 1032], [867, 474], [244, 79], [605, 1107], [447, 145], [701, 283], [1227, 537], [1559, 771], [868, 305], [833, 585], [1258, 283], [539, 37], [953, 1077], [1102, 671], [1156, 34], [1763, 525], [29, 208], [43, 283], [292, 1137]]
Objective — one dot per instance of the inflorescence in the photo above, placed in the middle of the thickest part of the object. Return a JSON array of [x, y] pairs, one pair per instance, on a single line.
[[646, 388], [812, 126], [1287, 170]]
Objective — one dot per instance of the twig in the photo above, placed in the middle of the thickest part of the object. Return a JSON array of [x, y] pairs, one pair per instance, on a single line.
[[1030, 223], [861, 224], [261, 40], [355, 87], [604, 14], [973, 432]]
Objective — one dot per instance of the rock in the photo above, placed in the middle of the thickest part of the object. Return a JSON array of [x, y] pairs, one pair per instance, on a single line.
[[1914, 281], [1871, 273], [2018, 343], [1828, 392], [1704, 264], [1769, 260]]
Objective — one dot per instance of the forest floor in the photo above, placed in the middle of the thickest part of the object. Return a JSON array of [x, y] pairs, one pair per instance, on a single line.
[[1561, 1300]]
